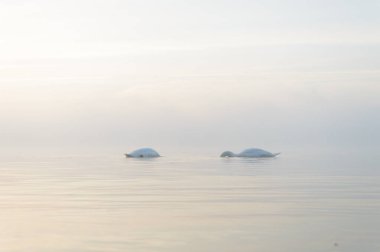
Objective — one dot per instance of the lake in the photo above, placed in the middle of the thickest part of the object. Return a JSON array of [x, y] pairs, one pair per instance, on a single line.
[[313, 202]]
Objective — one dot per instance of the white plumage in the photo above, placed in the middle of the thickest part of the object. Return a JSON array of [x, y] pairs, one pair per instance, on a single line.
[[143, 153], [252, 152]]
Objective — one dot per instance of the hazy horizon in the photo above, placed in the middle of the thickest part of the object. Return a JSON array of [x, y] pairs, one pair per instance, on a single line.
[[83, 82], [118, 75]]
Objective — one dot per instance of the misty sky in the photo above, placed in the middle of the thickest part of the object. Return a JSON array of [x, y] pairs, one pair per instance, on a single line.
[[173, 74]]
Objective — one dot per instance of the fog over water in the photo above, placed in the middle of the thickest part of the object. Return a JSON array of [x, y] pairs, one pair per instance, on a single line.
[[188, 74], [83, 82]]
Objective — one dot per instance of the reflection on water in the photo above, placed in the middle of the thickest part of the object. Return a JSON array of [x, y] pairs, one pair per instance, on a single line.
[[189, 204]]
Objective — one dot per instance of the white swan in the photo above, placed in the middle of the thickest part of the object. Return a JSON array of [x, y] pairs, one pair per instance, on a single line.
[[252, 152], [143, 153]]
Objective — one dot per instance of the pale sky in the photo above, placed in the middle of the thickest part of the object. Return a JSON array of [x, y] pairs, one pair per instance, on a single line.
[[188, 74]]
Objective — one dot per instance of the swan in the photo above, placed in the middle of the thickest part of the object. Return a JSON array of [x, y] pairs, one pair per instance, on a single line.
[[143, 153], [252, 152]]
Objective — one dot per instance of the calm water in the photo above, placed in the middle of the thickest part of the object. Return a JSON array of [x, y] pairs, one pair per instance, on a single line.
[[319, 202]]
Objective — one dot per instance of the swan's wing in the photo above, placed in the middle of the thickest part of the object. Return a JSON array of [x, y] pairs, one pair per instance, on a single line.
[[255, 152], [144, 152]]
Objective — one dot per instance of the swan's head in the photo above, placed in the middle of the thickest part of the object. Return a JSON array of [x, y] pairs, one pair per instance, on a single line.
[[227, 154]]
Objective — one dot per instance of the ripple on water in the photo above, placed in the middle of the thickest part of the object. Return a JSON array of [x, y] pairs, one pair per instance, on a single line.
[[171, 204]]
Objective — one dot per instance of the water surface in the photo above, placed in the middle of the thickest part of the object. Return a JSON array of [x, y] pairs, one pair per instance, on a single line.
[[314, 203]]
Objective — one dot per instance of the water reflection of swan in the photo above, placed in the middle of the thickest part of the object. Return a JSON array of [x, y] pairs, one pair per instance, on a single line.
[[252, 152], [143, 153]]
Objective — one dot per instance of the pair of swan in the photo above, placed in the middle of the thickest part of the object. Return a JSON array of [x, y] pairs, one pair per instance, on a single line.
[[252, 152]]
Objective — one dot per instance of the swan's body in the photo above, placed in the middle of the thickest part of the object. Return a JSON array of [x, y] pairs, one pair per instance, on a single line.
[[252, 152], [143, 153]]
